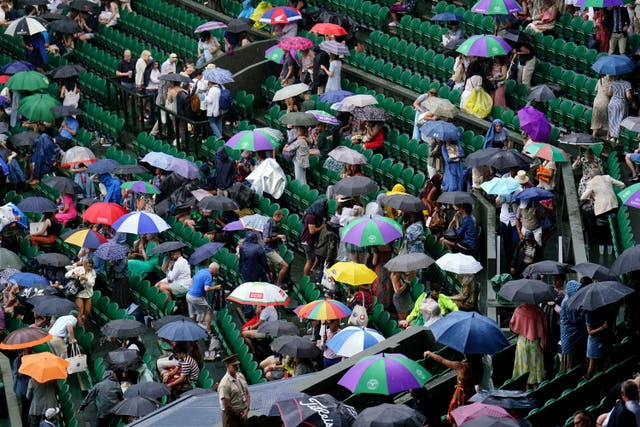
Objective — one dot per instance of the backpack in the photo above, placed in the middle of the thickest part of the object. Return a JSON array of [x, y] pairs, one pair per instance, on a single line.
[[226, 99]]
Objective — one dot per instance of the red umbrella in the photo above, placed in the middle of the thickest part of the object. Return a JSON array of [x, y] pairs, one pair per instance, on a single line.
[[4, 79], [328, 29], [295, 43], [104, 213]]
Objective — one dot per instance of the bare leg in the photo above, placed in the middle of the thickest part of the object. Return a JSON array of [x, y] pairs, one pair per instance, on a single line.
[[284, 267], [630, 165], [80, 304]]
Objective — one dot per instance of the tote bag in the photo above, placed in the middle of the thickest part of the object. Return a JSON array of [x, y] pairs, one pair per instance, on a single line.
[[77, 360]]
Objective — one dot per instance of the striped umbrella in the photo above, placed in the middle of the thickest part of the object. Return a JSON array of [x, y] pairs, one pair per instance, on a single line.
[[354, 339], [371, 230], [85, 238], [252, 140], [210, 26], [140, 223], [547, 152], [496, 7], [484, 46], [334, 47], [140, 187], [281, 15], [324, 309], [25, 26], [323, 117]]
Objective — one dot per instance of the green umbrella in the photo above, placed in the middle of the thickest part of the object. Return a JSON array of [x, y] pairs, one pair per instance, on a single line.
[[140, 187], [28, 80], [9, 259], [547, 152], [38, 107], [626, 193]]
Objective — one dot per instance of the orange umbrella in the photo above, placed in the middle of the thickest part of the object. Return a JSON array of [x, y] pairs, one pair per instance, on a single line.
[[43, 367], [24, 338]]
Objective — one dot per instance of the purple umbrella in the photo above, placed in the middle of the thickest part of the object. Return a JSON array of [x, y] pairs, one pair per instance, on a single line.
[[496, 7], [484, 46], [250, 140], [185, 168], [16, 67], [534, 123], [112, 251], [234, 226], [210, 26]]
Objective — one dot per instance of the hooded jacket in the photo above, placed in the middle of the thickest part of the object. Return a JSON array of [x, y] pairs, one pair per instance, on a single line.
[[253, 261], [107, 393], [226, 172]]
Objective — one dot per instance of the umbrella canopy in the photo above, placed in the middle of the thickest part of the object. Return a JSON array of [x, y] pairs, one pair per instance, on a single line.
[[594, 271], [517, 37], [37, 204], [112, 251], [459, 263], [334, 96], [325, 309], [500, 186], [174, 77], [122, 358], [254, 222], [295, 43], [496, 7], [140, 223], [150, 390], [352, 273], [44, 367], [328, 29], [321, 410], [456, 198], [534, 123], [27, 280], [167, 247], [347, 155], [61, 183], [371, 230], [385, 373], [469, 333], [354, 339], [404, 202], [353, 101], [508, 399], [181, 330], [613, 65], [136, 406], [295, 346], [238, 25], [53, 259], [37, 107], [218, 203], [24, 338], [355, 186], [28, 81], [104, 213], [259, 293], [541, 93], [81, 5], [497, 158], [210, 26], [324, 117], [532, 194], [281, 15], [298, 119], [526, 291], [278, 328], [441, 107], [630, 196], [576, 138], [491, 421], [389, 415], [123, 328], [159, 323], [50, 305], [205, 252], [65, 26], [87, 238], [77, 155], [335, 48], [443, 131], [409, 262], [370, 113], [598, 294], [140, 187], [25, 26], [447, 16], [546, 267], [218, 75], [103, 166], [66, 110], [484, 46], [252, 140], [16, 66], [290, 91], [275, 54], [66, 71], [627, 261], [9, 259], [547, 152], [129, 170], [23, 139], [631, 123]]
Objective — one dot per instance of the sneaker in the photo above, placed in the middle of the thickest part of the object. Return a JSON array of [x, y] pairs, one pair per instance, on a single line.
[[635, 178], [393, 24]]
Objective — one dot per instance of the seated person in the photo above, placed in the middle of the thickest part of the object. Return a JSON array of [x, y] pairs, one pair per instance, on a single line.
[[184, 376], [454, 33], [48, 233], [632, 159], [548, 17], [263, 314], [401, 6], [424, 307], [68, 130], [464, 226], [467, 298], [178, 279]]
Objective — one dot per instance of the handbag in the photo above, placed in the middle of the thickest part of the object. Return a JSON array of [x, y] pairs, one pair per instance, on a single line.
[[77, 360], [359, 316], [71, 288], [289, 155], [479, 103]]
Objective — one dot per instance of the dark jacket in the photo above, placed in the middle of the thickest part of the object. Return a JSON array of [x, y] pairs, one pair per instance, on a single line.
[[107, 393], [253, 260], [517, 261], [226, 172], [319, 76], [608, 18]]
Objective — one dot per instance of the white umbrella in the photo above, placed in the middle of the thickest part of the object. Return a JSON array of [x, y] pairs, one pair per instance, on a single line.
[[459, 263], [290, 91], [268, 177], [259, 293], [353, 340], [347, 155], [25, 26], [353, 101]]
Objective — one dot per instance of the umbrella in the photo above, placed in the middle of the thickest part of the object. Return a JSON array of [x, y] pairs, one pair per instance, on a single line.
[[404, 202], [23, 139], [298, 119], [497, 158], [355, 186], [324, 117], [218, 203], [150, 390], [6, 273], [218, 75], [296, 347], [547, 152], [44, 367], [25, 26], [491, 421], [66, 71], [335, 48], [185, 168], [275, 54], [350, 102], [370, 113], [526, 291], [290, 91], [443, 131], [9, 259], [86, 238], [17, 66], [352, 273], [210, 26], [500, 186], [630, 196], [469, 332], [532, 194], [321, 410], [627, 261], [122, 358], [496, 7], [252, 140], [103, 213], [598, 294], [354, 339], [371, 230], [53, 259], [534, 123], [474, 410], [613, 65], [82, 5], [324, 309], [441, 107], [65, 26], [295, 43], [111, 251], [167, 247], [484, 46], [594, 271], [37, 204], [61, 183], [328, 29], [123, 328], [87, 201], [53, 16], [174, 77], [4, 126], [447, 16], [181, 330], [140, 187], [159, 323], [140, 223], [50, 305], [456, 198], [389, 415], [25, 338], [409, 262], [631, 123], [517, 37], [238, 25], [254, 222], [578, 139], [27, 280], [103, 166], [541, 93], [259, 293], [136, 406], [546, 267], [65, 110], [508, 399], [77, 155], [385, 373], [278, 328], [280, 15], [129, 170], [28, 81], [459, 263], [37, 107], [334, 96], [205, 252], [347, 155]]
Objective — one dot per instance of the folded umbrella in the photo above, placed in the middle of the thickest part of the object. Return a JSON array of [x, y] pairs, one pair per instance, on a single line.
[[122, 359], [469, 333], [534, 123], [409, 262], [278, 328], [526, 291], [181, 330], [456, 198], [25, 338], [76, 156], [49, 305], [103, 166], [355, 186], [404, 202], [218, 203], [205, 252], [136, 407], [335, 48], [53, 259], [546, 267], [296, 347], [594, 271], [443, 131], [140, 223], [347, 155], [111, 251], [598, 294], [167, 247], [354, 339], [123, 328], [37, 204], [150, 390]]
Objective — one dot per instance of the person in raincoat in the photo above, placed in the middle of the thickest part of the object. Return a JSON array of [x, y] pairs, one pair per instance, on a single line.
[[252, 262], [111, 191], [107, 393], [452, 153], [45, 153]]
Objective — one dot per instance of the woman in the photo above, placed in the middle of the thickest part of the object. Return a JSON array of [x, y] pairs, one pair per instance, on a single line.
[[470, 83], [207, 47], [591, 166], [528, 322], [67, 212], [362, 296], [83, 179], [620, 92], [49, 232], [498, 78], [110, 15], [334, 72], [573, 331], [452, 153], [600, 325], [141, 261], [301, 158], [414, 233], [430, 306], [306, 66], [373, 138], [70, 93], [602, 33], [327, 331], [45, 154], [289, 73], [547, 21], [457, 80], [546, 174], [86, 277], [418, 105], [497, 136], [527, 252], [402, 301], [600, 113], [464, 226], [467, 298]]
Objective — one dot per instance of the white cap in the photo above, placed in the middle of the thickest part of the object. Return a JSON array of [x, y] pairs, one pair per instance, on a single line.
[[51, 413]]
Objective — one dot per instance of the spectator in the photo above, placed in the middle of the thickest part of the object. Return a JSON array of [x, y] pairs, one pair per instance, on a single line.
[[301, 158], [402, 301], [70, 92], [600, 190], [466, 300], [626, 412], [226, 173], [141, 261], [573, 332], [529, 218], [87, 24], [424, 311], [45, 154], [452, 153], [273, 237], [178, 275], [453, 34], [527, 252], [86, 277], [582, 418], [617, 21], [528, 322], [110, 15], [43, 398], [373, 138], [600, 339], [250, 333], [414, 232], [327, 331], [526, 58], [107, 393], [420, 108], [68, 130], [140, 67], [600, 114], [253, 263], [621, 94], [362, 296], [110, 188], [591, 166], [184, 376], [48, 233], [497, 136], [306, 66], [290, 70], [35, 50], [334, 73], [199, 309], [313, 222], [20, 384], [208, 46], [546, 174], [50, 417], [62, 331], [214, 112], [400, 7], [465, 229], [125, 71], [547, 21], [320, 60]]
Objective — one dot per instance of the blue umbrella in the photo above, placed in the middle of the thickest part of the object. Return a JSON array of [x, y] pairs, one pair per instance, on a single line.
[[532, 194], [500, 186], [16, 67], [158, 160], [37, 204], [185, 168], [334, 96], [218, 75], [112, 251], [205, 252], [447, 16], [103, 166], [139, 222], [438, 129], [469, 333], [182, 330], [26, 280], [613, 65]]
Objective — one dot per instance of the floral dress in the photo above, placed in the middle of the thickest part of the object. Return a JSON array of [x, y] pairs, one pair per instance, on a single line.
[[589, 170], [414, 238]]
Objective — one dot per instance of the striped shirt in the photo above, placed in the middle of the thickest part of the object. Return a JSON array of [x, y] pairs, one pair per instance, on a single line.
[[189, 367]]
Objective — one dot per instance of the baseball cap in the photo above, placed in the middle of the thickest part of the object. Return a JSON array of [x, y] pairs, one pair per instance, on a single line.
[[51, 413]]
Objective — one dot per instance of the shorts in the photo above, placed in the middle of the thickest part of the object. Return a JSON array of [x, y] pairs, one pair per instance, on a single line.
[[309, 252], [180, 288], [274, 258], [198, 306], [634, 157]]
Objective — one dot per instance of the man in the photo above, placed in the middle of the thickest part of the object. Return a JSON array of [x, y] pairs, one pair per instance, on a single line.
[[272, 238], [43, 396], [62, 329], [125, 71], [20, 384], [235, 400], [265, 314], [252, 263], [627, 410], [201, 283], [617, 21], [582, 418], [181, 378], [50, 417], [319, 77], [107, 393], [178, 279], [68, 129]]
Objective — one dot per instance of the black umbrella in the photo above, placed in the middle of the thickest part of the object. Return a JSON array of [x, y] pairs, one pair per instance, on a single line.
[[175, 77], [576, 138], [489, 421], [278, 328], [541, 93], [53, 16], [508, 399], [320, 410], [157, 324], [137, 406], [26, 26], [150, 390], [238, 25], [627, 261], [62, 184], [370, 113], [218, 203], [516, 36], [526, 291], [129, 170], [404, 202], [594, 271], [295, 346], [546, 267], [123, 328], [34, 2], [67, 71], [65, 110], [87, 201], [81, 5], [497, 158], [49, 305], [456, 198], [122, 358], [598, 294], [389, 415], [103, 166], [37, 204], [53, 259], [167, 247], [65, 26], [23, 139], [355, 186], [204, 252]]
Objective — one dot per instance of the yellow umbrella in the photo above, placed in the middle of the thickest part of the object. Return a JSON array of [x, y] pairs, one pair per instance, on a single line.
[[352, 273], [43, 367]]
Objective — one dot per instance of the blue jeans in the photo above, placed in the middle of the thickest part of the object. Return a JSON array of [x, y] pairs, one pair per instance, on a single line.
[[216, 126]]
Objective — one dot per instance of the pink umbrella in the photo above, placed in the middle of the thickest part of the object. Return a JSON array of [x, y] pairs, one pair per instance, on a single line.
[[465, 413], [295, 43], [210, 26]]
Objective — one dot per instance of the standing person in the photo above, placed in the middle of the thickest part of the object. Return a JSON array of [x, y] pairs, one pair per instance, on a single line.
[[621, 94], [107, 393], [528, 322], [226, 172], [573, 332], [497, 136], [125, 71], [202, 282], [20, 384], [35, 50], [334, 73], [207, 47], [233, 392], [214, 112], [50, 417], [178, 279], [319, 76], [526, 58], [118, 272], [140, 67], [526, 252], [617, 21], [591, 166], [43, 397], [86, 276], [252, 260], [167, 67], [306, 66], [414, 232], [418, 105], [70, 92], [301, 158], [452, 153], [402, 301], [313, 222], [529, 218], [600, 113], [508, 230], [498, 78], [600, 190], [273, 237], [328, 330], [600, 339], [290, 70], [61, 330]]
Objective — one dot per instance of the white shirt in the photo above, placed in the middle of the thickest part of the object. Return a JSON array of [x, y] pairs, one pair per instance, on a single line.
[[59, 327], [268, 314], [202, 88], [508, 210], [213, 101], [180, 271], [141, 65]]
